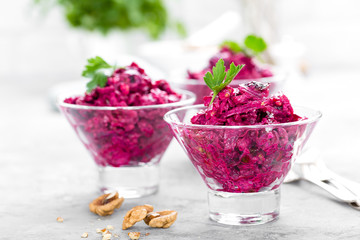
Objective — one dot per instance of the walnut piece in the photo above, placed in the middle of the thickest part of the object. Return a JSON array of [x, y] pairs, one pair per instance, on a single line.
[[106, 236], [134, 235], [151, 216], [106, 204], [136, 214], [84, 235], [163, 219]]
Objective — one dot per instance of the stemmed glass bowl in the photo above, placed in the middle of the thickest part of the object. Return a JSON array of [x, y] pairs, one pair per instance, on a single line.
[[242, 166], [127, 143]]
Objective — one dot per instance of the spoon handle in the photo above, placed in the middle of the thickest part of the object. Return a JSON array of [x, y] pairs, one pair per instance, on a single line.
[[328, 181]]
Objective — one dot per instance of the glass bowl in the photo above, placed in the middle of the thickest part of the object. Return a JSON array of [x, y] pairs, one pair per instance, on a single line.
[[242, 166], [126, 143], [201, 90]]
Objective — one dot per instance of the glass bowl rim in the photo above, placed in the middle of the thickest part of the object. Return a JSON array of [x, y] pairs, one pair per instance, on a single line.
[[190, 99], [315, 118]]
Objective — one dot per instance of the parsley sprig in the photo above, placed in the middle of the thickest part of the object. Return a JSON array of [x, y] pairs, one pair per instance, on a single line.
[[253, 46], [233, 46], [98, 71], [219, 79]]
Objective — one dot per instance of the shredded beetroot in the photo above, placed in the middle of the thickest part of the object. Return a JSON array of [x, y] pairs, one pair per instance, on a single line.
[[246, 159], [250, 71], [129, 86], [122, 136], [246, 105]]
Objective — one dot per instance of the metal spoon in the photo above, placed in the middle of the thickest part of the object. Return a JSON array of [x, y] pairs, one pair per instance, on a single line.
[[316, 172], [355, 205]]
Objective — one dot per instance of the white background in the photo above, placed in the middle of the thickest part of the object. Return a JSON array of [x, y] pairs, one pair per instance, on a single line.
[[41, 49], [38, 51]]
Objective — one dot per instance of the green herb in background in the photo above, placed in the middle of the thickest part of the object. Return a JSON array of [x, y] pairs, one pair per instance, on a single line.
[[215, 81], [233, 46], [106, 15], [255, 44], [252, 46], [96, 71]]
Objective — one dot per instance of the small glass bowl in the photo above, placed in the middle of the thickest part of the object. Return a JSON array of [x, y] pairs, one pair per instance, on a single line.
[[126, 143], [242, 166], [201, 90]]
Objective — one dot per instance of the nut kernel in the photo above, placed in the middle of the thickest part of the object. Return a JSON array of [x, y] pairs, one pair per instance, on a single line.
[[136, 214], [163, 219], [134, 235], [151, 216], [106, 204], [106, 236]]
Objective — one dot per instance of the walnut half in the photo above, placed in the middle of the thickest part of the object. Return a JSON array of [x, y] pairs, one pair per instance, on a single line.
[[106, 204], [163, 219], [136, 214]]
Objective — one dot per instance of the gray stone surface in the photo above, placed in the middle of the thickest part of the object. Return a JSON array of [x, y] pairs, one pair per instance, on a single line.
[[45, 172]]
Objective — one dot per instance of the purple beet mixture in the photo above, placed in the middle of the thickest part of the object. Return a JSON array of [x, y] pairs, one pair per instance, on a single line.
[[243, 160], [250, 71], [129, 86], [122, 136]]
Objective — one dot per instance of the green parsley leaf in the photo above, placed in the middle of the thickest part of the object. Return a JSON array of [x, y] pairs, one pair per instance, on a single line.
[[94, 64], [255, 43], [233, 71], [99, 79], [95, 70], [218, 72], [219, 79], [180, 28], [233, 46]]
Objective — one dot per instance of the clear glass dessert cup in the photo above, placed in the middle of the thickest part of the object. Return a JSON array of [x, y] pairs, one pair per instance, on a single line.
[[242, 166], [127, 143]]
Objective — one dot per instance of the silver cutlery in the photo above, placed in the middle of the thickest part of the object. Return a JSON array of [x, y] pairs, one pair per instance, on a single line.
[[311, 167]]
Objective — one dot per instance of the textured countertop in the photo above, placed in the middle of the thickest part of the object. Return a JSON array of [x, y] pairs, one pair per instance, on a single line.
[[45, 173]]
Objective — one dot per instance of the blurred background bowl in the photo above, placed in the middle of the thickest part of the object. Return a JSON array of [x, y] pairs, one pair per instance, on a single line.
[[179, 79]]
